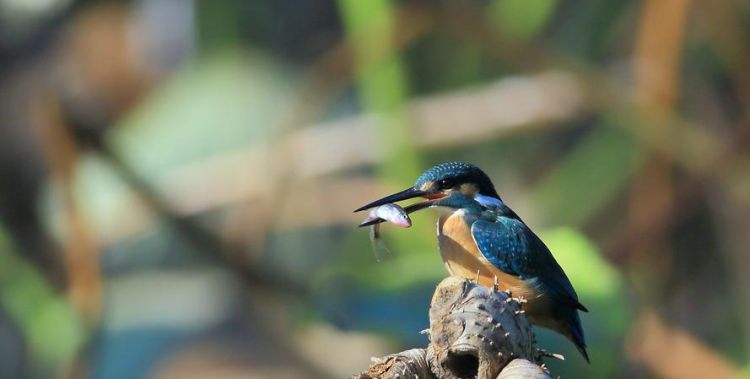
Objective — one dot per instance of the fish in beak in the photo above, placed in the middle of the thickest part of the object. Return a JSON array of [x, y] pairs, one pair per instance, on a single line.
[[406, 194]]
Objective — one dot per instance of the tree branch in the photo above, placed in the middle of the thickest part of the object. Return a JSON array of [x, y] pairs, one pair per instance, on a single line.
[[475, 332]]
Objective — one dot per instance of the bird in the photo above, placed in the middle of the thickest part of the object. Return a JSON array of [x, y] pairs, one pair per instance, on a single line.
[[482, 239]]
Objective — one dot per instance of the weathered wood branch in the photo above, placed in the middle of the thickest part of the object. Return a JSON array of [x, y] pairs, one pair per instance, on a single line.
[[475, 332]]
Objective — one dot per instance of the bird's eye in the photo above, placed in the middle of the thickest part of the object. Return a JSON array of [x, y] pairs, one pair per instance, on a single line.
[[446, 184]]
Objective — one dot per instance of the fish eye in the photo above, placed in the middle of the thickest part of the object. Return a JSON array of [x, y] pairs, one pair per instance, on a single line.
[[445, 184]]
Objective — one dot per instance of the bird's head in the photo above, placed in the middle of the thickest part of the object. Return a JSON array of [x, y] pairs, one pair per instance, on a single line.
[[447, 184]]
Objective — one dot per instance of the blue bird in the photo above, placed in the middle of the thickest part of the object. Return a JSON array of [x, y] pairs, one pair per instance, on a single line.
[[482, 239]]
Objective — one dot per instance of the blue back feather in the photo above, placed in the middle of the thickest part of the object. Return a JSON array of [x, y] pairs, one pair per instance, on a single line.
[[513, 248]]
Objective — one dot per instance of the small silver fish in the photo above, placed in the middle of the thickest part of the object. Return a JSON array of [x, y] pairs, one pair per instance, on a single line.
[[387, 212], [391, 213]]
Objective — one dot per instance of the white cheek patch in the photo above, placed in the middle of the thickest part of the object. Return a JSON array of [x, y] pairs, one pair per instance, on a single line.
[[488, 201], [469, 189]]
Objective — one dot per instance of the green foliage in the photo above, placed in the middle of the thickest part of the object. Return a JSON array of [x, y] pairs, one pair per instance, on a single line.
[[521, 19], [381, 83], [383, 91], [601, 288], [217, 104], [52, 331], [414, 260], [593, 277], [590, 175], [220, 23]]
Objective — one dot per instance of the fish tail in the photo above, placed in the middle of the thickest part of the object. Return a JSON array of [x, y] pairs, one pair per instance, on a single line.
[[379, 248]]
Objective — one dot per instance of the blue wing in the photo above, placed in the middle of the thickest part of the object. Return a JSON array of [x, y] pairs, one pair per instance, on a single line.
[[512, 247]]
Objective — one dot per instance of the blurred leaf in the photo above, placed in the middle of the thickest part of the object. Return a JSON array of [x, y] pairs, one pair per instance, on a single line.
[[522, 19], [381, 83], [224, 102], [49, 324], [589, 176], [383, 90], [602, 289], [437, 63], [220, 23], [415, 258], [592, 276]]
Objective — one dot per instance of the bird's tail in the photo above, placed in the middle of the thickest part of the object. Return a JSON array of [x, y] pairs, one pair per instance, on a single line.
[[575, 332]]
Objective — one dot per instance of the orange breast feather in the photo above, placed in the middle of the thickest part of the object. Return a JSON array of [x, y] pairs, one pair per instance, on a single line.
[[463, 258]]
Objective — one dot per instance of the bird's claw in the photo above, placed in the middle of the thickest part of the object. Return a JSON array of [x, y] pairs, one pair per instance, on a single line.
[[547, 354]]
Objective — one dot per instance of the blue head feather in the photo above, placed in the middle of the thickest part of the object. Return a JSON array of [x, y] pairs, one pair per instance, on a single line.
[[460, 172]]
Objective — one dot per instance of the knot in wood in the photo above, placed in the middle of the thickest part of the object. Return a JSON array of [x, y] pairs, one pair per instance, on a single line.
[[475, 331]]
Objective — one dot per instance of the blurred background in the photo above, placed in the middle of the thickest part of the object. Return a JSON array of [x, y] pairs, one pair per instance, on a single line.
[[177, 178]]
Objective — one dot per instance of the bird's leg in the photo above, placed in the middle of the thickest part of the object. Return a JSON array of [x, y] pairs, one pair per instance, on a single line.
[[495, 284], [425, 332], [545, 353], [476, 279]]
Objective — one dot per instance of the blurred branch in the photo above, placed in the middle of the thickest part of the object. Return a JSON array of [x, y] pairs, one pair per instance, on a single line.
[[724, 25], [475, 332], [658, 53], [725, 29], [700, 152], [101, 78], [261, 282], [657, 73], [671, 353], [61, 154], [512, 105], [320, 86], [381, 83]]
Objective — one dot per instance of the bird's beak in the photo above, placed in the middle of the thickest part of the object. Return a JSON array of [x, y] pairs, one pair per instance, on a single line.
[[406, 194]]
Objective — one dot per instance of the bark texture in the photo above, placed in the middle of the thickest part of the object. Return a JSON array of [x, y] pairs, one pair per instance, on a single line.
[[475, 332]]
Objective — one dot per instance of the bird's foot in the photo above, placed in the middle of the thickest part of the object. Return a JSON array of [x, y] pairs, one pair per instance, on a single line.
[[546, 354], [425, 332]]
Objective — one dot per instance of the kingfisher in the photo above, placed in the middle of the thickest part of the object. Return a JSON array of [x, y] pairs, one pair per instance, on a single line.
[[483, 240]]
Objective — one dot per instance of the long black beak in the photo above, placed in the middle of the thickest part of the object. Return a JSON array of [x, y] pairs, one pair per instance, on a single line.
[[408, 193]]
